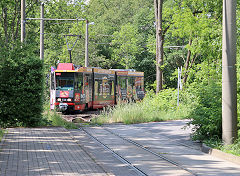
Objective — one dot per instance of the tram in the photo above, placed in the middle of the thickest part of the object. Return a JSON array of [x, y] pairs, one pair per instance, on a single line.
[[81, 88]]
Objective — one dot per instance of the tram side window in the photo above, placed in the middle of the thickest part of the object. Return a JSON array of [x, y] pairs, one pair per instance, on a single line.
[[130, 81], [139, 83], [111, 88], [122, 82], [78, 82], [98, 87], [142, 83]]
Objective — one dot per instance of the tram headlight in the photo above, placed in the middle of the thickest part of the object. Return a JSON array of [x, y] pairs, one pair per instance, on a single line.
[[69, 99], [59, 99]]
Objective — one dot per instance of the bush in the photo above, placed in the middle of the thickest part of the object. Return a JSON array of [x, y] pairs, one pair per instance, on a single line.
[[1, 134], [21, 87], [207, 114]]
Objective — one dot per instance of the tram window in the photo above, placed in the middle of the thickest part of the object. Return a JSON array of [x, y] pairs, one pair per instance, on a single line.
[[95, 87], [100, 90], [78, 82], [63, 84], [130, 81], [110, 88], [122, 82], [139, 83]]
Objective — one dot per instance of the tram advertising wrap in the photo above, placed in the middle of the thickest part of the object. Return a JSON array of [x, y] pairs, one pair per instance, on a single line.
[[82, 88]]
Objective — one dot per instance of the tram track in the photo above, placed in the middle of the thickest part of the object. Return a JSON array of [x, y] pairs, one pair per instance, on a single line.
[[80, 117], [138, 147], [118, 156]]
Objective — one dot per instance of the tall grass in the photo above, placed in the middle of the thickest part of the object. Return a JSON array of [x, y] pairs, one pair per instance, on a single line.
[[153, 108], [55, 119]]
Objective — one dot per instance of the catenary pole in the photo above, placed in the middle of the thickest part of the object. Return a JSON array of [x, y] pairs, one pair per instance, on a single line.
[[23, 21], [42, 33], [229, 80], [86, 45]]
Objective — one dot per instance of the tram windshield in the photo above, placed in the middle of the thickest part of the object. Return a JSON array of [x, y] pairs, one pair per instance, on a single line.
[[64, 81]]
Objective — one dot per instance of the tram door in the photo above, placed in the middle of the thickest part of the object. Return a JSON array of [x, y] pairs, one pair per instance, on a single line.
[[52, 91], [87, 82]]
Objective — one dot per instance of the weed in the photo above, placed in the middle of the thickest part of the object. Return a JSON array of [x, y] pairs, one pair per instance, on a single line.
[[153, 108], [54, 119]]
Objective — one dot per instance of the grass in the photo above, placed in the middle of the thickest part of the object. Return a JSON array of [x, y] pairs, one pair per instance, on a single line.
[[130, 113], [54, 119], [153, 108], [233, 149], [1, 134]]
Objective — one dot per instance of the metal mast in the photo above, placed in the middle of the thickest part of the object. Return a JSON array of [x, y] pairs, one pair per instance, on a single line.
[[42, 33], [86, 45], [23, 21]]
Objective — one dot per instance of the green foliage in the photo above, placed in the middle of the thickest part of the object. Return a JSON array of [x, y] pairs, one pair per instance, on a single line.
[[207, 113], [232, 149], [21, 87], [1, 134], [55, 119], [126, 45], [160, 107]]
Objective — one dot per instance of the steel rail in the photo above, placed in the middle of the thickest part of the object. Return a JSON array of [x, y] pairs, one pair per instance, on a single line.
[[150, 151], [119, 157]]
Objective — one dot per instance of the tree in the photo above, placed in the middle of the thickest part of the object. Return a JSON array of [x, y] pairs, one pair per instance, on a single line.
[[159, 44], [125, 45], [198, 24], [10, 20]]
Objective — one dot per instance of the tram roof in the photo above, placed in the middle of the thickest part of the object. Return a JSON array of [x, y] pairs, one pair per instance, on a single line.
[[129, 73], [69, 67], [103, 71], [65, 66]]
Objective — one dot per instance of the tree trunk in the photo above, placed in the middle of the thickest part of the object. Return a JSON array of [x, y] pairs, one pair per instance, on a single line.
[[187, 63], [159, 44]]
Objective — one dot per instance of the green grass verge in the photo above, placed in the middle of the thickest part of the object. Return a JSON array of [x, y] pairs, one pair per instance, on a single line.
[[131, 113], [160, 107], [218, 144], [1, 134]]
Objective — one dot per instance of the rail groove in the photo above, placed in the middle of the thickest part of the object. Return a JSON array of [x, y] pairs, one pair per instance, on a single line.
[[139, 146]]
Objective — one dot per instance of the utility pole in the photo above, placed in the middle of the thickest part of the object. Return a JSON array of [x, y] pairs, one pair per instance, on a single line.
[[42, 32], [229, 80], [86, 45], [23, 21]]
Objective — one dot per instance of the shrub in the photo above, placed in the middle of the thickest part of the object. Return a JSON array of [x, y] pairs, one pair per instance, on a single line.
[[21, 87], [207, 114], [1, 134]]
